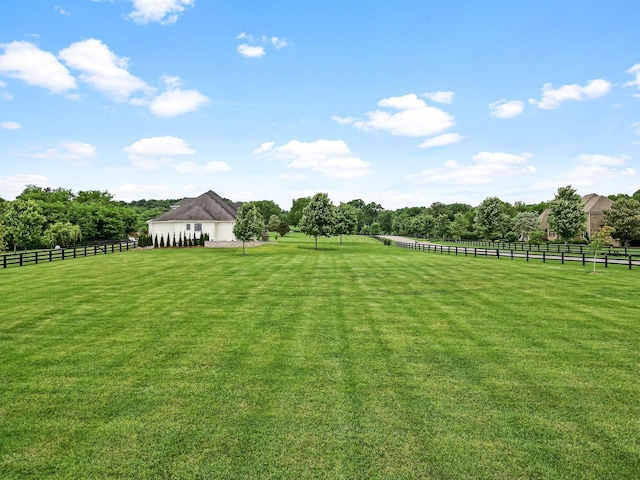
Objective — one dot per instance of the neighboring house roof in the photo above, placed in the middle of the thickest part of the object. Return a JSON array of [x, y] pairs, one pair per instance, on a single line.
[[594, 203], [207, 207]]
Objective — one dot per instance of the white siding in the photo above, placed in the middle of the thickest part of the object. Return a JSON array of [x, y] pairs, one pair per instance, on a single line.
[[218, 231]]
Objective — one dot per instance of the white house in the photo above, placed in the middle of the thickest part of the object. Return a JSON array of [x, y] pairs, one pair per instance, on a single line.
[[192, 217]]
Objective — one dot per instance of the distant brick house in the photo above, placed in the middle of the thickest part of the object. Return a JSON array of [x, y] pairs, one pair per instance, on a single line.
[[594, 206], [193, 217]]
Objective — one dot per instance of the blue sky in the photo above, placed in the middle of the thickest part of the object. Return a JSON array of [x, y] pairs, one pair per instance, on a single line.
[[403, 103]]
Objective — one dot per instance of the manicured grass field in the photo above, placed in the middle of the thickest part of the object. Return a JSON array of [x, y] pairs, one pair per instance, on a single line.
[[354, 361]]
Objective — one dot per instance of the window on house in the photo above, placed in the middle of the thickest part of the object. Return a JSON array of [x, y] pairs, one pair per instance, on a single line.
[[188, 226], [197, 227]]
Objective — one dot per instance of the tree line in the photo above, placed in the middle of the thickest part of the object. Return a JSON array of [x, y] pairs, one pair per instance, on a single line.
[[45, 217]]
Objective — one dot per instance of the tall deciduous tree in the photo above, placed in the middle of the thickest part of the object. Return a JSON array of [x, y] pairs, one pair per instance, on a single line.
[[3, 243], [566, 214], [24, 221], [459, 227], [249, 223], [346, 220], [318, 217], [624, 218], [491, 219], [297, 206]]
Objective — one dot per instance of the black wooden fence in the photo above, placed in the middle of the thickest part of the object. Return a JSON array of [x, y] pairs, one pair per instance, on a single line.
[[41, 256], [604, 257]]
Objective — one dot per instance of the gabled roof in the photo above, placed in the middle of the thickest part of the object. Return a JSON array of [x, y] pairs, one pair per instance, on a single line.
[[207, 207], [594, 203]]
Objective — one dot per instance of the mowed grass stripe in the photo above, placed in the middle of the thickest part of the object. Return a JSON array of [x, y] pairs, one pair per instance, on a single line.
[[354, 361]]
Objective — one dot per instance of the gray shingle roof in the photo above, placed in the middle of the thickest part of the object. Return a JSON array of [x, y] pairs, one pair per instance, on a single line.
[[207, 207]]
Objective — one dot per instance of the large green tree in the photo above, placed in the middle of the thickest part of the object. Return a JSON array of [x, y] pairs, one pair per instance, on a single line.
[[492, 219], [63, 234], [318, 217], [297, 206], [624, 218], [566, 214], [24, 222], [249, 223]]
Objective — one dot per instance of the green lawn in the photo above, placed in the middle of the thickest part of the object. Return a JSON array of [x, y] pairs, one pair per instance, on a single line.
[[353, 361]]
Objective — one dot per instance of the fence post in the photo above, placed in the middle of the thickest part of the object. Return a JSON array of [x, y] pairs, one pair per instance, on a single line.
[[4, 261], [543, 257], [498, 253], [562, 258], [512, 253], [629, 261], [36, 258], [50, 255], [475, 252], [527, 255], [583, 259], [85, 250], [606, 260], [20, 259]]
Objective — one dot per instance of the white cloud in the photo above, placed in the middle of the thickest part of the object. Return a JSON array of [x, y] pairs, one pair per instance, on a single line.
[[636, 128], [553, 97], [166, 146], [251, 51], [506, 109], [103, 70], [12, 186], [162, 11], [10, 126], [487, 167], [265, 147], [153, 153], [77, 152], [279, 42], [414, 118], [635, 70], [441, 140], [61, 10], [174, 101], [589, 170], [25, 61], [331, 158], [440, 97], [254, 47]]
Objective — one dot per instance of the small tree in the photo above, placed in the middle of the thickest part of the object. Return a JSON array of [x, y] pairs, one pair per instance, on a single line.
[[249, 223], [524, 223], [283, 228], [600, 239], [318, 217], [155, 241], [346, 220], [274, 223]]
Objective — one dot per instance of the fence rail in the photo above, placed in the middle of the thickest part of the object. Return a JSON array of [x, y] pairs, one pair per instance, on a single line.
[[607, 259], [40, 256], [549, 247]]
